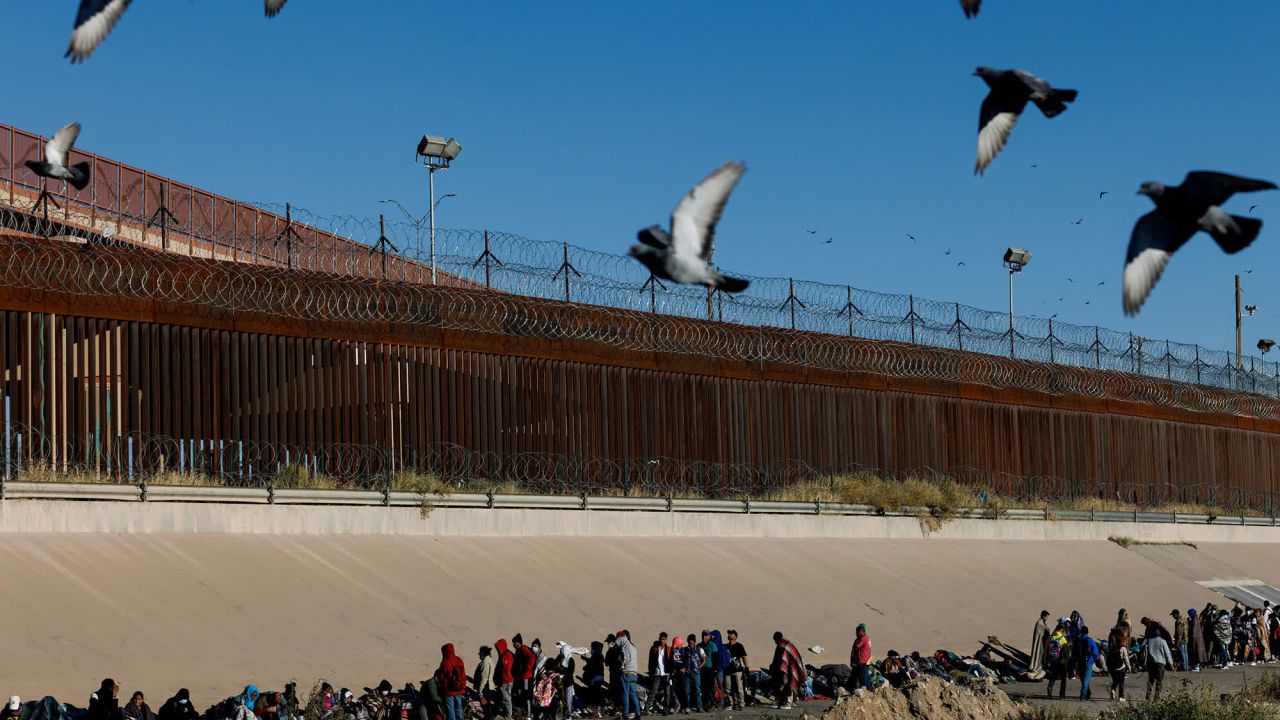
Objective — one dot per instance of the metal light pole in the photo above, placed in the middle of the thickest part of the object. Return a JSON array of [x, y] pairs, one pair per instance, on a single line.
[[437, 153], [1015, 259]]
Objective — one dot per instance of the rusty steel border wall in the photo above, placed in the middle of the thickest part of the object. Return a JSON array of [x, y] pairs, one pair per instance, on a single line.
[[117, 359]]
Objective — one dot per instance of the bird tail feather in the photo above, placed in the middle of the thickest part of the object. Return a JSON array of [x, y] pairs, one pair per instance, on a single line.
[[79, 175], [1056, 103], [731, 284], [1231, 242]]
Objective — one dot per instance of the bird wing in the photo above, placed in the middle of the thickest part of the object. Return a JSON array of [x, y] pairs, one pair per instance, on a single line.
[[654, 237], [995, 122], [1155, 238], [93, 23], [971, 7], [272, 7], [1215, 188], [56, 150], [693, 223]]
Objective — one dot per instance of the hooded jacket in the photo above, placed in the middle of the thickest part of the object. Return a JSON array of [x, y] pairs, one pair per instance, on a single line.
[[627, 656], [502, 673], [179, 707], [721, 662], [525, 661], [452, 674]]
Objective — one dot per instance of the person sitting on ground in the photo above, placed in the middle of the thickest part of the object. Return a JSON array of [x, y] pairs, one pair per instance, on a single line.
[[137, 709], [105, 703], [893, 669], [268, 705], [179, 707]]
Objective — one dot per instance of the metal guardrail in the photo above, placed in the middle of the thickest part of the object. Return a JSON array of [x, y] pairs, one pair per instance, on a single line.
[[375, 498]]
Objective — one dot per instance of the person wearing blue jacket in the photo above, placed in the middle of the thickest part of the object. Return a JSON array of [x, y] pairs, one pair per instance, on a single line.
[[1089, 651]]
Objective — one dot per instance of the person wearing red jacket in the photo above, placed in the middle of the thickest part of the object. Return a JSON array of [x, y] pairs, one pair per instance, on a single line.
[[504, 677], [452, 676], [522, 668]]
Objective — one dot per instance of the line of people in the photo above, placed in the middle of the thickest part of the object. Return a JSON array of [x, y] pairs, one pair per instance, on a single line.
[[515, 681], [1213, 637]]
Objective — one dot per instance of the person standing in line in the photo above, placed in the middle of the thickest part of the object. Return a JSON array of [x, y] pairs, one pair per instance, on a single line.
[[452, 676], [709, 654], [593, 679], [860, 659], [659, 675], [1089, 656], [1222, 632], [504, 678], [565, 667], [630, 676], [1158, 660], [1195, 641], [613, 661], [1180, 632], [1039, 646], [787, 670], [483, 679], [719, 668], [1117, 663], [676, 672], [739, 667], [522, 668], [693, 662], [1059, 658]]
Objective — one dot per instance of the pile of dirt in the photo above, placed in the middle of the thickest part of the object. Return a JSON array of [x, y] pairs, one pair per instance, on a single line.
[[931, 699]]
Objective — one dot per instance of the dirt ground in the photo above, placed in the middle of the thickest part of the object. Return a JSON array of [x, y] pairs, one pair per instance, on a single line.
[[213, 612]]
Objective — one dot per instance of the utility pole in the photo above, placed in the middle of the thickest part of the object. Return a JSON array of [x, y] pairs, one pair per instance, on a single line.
[[1239, 362]]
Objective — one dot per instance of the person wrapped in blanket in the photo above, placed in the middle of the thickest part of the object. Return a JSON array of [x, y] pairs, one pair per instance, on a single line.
[[787, 671]]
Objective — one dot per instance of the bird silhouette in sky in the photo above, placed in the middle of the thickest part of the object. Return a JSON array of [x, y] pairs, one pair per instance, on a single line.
[[1104, 282], [827, 241], [1103, 194], [948, 252], [960, 264], [1078, 221], [812, 232], [913, 237]]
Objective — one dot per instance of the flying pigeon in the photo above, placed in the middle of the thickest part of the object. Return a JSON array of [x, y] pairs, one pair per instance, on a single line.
[[96, 18], [1078, 221], [55, 159], [1010, 91], [1103, 194], [913, 237], [94, 21], [827, 241], [971, 7], [960, 264], [1180, 212], [681, 255], [1251, 207], [812, 232], [948, 252], [1104, 282]]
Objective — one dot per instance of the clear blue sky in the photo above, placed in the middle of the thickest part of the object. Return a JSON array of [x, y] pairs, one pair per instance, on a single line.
[[585, 120]]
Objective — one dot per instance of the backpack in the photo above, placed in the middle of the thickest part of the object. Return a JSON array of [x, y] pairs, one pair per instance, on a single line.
[[1055, 652]]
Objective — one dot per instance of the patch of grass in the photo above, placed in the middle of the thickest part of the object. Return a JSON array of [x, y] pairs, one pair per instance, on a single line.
[[1191, 704], [1122, 540], [1265, 690], [299, 477], [430, 487]]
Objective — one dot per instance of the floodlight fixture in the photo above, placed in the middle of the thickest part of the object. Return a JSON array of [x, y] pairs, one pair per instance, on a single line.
[[436, 153], [1265, 345], [1016, 258]]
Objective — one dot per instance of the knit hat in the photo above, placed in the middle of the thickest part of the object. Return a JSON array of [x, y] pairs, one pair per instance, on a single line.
[[517, 638], [14, 703]]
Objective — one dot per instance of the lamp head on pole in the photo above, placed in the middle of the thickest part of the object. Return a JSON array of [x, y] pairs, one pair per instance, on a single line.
[[1265, 345], [437, 152], [1016, 258]]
